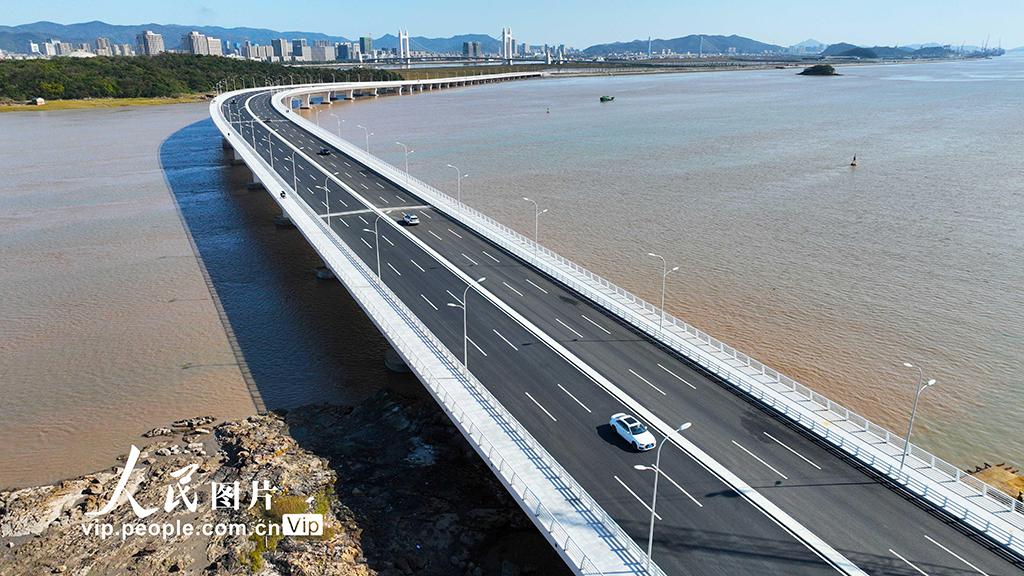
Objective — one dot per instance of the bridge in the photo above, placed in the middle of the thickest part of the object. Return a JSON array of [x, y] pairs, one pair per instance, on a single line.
[[529, 354]]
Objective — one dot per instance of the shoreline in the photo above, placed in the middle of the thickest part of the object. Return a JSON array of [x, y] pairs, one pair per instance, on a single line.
[[102, 103]]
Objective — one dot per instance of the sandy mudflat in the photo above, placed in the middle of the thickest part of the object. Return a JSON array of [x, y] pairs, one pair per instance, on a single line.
[[107, 327]]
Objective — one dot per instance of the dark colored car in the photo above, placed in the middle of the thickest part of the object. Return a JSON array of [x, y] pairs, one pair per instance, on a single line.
[[324, 152]]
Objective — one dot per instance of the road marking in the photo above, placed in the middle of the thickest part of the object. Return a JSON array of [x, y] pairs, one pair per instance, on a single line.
[[468, 258], [779, 442], [400, 199], [347, 174], [576, 399], [343, 203], [454, 297], [364, 220], [432, 233], [638, 499], [431, 304], [454, 232], [677, 377], [505, 339], [417, 265], [648, 382], [427, 215], [367, 243], [489, 256], [346, 163], [681, 489], [511, 288], [478, 349], [596, 324], [553, 419], [393, 269], [380, 185], [383, 199], [364, 186], [896, 554], [325, 205], [754, 456], [301, 167], [955, 555], [385, 238], [535, 286], [578, 335]]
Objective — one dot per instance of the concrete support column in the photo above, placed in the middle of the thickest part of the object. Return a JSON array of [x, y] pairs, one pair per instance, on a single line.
[[351, 94], [283, 221], [393, 361], [374, 92]]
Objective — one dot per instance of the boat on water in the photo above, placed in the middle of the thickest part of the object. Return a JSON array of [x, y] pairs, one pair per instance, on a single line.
[[854, 163], [607, 98]]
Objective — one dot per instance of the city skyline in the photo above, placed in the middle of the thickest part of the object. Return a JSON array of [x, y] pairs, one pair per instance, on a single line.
[[782, 23]]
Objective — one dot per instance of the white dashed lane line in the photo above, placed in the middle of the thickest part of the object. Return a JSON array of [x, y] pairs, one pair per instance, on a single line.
[[648, 382], [428, 301], [468, 258], [513, 346], [535, 286], [677, 377], [569, 328], [575, 398], [489, 256], [393, 269], [638, 499], [534, 400], [455, 233], [511, 288], [605, 330], [417, 265]]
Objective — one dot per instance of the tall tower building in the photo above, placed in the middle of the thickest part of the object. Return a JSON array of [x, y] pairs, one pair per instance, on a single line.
[[508, 48], [366, 46], [403, 45], [150, 43]]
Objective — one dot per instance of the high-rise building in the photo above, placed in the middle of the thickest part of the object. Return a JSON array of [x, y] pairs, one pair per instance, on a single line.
[[323, 53], [366, 46], [472, 50], [49, 48], [214, 47], [195, 43], [33, 48], [103, 47], [298, 46], [346, 51], [150, 43], [280, 48]]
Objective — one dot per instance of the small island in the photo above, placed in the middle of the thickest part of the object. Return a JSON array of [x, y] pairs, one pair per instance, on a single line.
[[820, 70]]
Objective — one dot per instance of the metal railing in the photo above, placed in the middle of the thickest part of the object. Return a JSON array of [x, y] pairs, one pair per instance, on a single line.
[[410, 334], [977, 503]]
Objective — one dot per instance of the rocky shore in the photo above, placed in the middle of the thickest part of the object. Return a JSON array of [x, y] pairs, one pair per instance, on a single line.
[[399, 489]]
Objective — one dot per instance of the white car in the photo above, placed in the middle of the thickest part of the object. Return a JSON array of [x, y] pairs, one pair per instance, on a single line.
[[633, 431], [410, 219]]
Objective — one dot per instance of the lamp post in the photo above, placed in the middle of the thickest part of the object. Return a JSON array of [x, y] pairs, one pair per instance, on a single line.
[[664, 274], [654, 499], [368, 134], [295, 175], [536, 221], [458, 186], [407, 152], [465, 333], [921, 385], [270, 148], [376, 241], [339, 120], [327, 198]]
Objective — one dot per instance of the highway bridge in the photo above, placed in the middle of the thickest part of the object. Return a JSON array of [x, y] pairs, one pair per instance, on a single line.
[[771, 478]]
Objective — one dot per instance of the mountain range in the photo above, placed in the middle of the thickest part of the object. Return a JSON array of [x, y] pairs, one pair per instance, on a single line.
[[692, 43]]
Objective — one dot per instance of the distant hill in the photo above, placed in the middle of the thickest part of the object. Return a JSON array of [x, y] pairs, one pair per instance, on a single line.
[[838, 49], [691, 43], [16, 38]]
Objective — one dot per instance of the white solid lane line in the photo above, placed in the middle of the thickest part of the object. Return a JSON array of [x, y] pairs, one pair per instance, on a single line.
[[505, 339], [468, 258], [755, 457], [648, 382], [681, 489], [801, 456], [478, 349], [431, 232], [455, 233], [596, 324], [578, 335], [955, 555], [510, 287], [576, 399], [367, 243], [489, 256], [553, 419], [393, 269], [638, 499], [385, 238], [417, 265], [677, 377], [428, 302], [897, 554], [535, 286]]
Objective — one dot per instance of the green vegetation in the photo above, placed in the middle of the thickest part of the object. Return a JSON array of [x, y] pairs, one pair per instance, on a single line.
[[166, 75], [820, 70], [280, 505]]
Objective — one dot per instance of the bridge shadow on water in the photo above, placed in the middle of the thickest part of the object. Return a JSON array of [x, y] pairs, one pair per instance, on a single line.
[[313, 355]]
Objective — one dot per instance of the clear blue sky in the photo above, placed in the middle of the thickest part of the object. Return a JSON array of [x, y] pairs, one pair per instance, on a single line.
[[578, 23]]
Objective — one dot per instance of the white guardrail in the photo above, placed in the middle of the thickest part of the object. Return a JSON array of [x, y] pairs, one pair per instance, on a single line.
[[975, 503], [439, 369]]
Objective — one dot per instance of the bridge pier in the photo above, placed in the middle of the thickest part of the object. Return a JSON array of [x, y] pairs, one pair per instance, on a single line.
[[236, 158], [351, 94], [393, 361], [305, 102], [254, 181], [374, 92], [324, 273]]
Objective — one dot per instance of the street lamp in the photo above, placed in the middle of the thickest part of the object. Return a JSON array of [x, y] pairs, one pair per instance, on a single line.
[[536, 221], [654, 500], [465, 334], [339, 122], [921, 385], [270, 147], [368, 134], [407, 152], [295, 175], [458, 193], [327, 198], [376, 241], [664, 274]]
